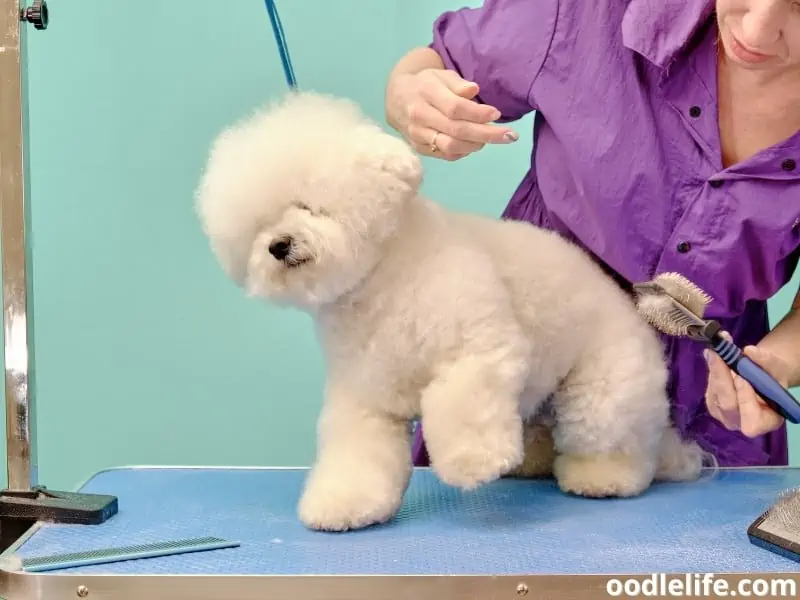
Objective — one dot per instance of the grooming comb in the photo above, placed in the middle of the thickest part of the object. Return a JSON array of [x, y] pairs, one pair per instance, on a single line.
[[674, 305], [103, 556]]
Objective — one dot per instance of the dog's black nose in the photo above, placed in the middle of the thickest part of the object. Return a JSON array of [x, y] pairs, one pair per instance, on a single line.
[[280, 248]]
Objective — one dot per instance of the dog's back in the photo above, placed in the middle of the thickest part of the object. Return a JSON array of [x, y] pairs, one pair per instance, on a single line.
[[552, 280]]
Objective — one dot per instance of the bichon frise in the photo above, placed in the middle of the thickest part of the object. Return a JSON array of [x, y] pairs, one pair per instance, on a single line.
[[475, 324]]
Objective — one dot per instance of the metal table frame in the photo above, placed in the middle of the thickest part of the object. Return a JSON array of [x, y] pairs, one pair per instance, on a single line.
[[16, 269], [314, 587], [318, 587]]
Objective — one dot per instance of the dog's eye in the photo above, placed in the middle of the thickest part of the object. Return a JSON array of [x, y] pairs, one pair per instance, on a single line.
[[302, 206]]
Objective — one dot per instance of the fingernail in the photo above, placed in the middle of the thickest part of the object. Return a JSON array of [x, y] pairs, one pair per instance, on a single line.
[[707, 355], [496, 114], [511, 136]]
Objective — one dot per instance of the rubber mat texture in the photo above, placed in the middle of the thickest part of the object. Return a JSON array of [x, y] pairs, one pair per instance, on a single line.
[[509, 527]]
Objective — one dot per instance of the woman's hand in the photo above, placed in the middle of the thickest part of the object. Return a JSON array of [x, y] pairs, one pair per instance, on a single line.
[[732, 401], [435, 111]]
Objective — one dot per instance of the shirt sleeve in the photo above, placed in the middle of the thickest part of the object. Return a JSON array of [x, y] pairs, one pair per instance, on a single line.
[[501, 46]]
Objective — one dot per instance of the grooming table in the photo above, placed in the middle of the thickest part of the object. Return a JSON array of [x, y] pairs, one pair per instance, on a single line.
[[511, 539]]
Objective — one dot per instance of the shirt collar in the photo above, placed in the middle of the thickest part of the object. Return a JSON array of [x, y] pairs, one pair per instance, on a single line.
[[660, 29]]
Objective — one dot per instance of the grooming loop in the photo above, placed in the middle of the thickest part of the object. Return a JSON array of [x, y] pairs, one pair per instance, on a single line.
[[280, 40]]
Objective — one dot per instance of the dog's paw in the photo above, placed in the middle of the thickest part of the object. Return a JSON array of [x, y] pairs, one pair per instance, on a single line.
[[346, 502], [602, 475], [468, 463]]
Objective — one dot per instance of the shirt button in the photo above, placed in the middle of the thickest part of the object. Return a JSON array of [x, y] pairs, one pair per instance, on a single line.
[[695, 111], [684, 247], [716, 183], [789, 164]]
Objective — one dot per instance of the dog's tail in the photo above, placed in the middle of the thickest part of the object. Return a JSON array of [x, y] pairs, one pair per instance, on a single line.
[[682, 460]]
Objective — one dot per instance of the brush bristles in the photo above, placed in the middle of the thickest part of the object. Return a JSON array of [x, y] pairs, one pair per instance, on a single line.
[[663, 314], [786, 510], [684, 291], [672, 304]]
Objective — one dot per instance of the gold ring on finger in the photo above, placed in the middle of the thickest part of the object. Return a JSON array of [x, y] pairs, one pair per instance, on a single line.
[[434, 147]]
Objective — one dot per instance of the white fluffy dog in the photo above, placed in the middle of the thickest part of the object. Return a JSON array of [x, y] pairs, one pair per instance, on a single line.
[[477, 325]]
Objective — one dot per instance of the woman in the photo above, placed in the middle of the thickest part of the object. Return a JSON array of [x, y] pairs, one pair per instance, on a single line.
[[667, 139]]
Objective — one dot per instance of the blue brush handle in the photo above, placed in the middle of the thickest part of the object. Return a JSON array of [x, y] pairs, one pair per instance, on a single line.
[[773, 393]]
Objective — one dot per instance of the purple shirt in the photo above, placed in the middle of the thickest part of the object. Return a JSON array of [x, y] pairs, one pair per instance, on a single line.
[[627, 163]]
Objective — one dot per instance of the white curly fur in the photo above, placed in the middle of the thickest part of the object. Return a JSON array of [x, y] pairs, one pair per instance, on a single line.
[[477, 325]]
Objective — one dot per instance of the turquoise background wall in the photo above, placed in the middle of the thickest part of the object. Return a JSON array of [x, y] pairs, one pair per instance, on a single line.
[[145, 353]]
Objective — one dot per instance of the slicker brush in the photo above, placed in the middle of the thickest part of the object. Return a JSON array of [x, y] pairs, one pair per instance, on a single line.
[[675, 306], [778, 529]]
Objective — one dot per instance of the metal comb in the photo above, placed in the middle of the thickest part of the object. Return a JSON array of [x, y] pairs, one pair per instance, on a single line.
[[71, 560]]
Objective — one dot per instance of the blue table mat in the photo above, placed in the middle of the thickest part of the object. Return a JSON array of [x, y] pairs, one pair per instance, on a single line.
[[509, 527]]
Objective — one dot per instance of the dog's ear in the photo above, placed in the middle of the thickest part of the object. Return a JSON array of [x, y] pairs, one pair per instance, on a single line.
[[387, 163], [399, 159]]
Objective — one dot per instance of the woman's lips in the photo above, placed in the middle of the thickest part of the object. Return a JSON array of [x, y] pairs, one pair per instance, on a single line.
[[745, 54]]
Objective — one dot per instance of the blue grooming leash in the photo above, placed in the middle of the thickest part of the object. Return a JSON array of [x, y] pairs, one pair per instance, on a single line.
[[283, 48]]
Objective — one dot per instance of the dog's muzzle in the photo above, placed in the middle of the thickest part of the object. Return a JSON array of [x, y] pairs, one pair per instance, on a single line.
[[280, 248], [284, 250]]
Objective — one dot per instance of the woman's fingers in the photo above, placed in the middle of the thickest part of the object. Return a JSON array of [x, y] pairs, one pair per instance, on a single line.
[[757, 418], [440, 116], [448, 105], [733, 401], [721, 392], [454, 97], [426, 136]]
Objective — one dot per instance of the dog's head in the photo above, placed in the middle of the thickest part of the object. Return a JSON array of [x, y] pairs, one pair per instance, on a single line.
[[298, 200]]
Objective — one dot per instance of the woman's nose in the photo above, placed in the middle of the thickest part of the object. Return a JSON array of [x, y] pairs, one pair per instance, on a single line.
[[762, 25]]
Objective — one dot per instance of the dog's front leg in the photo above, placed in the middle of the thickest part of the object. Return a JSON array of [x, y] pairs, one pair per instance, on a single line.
[[471, 420], [363, 465]]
